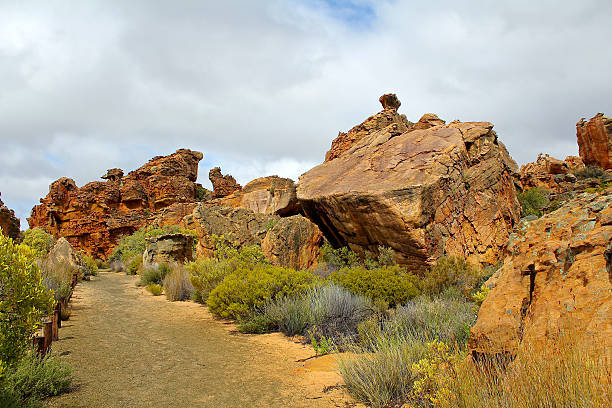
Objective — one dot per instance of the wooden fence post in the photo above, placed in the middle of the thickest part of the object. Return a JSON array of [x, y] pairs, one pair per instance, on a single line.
[[39, 345], [56, 319], [48, 333], [58, 308]]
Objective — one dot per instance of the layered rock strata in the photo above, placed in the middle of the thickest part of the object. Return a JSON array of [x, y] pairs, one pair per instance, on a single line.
[[9, 224], [424, 189], [93, 217], [556, 279], [595, 141]]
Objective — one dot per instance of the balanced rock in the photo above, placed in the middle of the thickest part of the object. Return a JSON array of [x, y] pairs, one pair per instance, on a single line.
[[390, 101], [168, 248], [93, 217], [595, 141], [9, 224], [557, 278], [222, 185], [446, 189]]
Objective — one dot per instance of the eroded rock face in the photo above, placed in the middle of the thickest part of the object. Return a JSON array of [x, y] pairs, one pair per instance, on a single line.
[[445, 189], [222, 185], [556, 278], [302, 238], [168, 248], [9, 224], [293, 242], [595, 141], [551, 174], [92, 218], [63, 254]]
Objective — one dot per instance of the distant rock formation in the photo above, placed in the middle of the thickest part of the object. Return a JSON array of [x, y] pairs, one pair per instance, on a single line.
[[9, 224], [557, 278], [222, 185], [92, 218], [168, 248], [550, 173], [424, 189], [595, 141]]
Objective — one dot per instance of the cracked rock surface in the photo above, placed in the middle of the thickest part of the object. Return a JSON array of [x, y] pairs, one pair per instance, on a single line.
[[424, 189], [557, 278]]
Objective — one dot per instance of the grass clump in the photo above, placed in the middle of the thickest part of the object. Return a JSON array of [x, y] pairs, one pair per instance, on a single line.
[[91, 265], [134, 266], [451, 273], [154, 274], [533, 201], [390, 284], [248, 289], [155, 289], [177, 286]]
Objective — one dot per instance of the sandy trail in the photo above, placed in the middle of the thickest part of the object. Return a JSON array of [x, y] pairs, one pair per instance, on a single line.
[[131, 349]]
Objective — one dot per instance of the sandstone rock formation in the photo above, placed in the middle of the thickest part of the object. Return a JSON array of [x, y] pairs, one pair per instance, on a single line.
[[557, 278], [301, 238], [294, 242], [168, 248], [595, 141], [9, 224], [95, 216], [222, 185], [550, 173], [437, 189], [62, 253]]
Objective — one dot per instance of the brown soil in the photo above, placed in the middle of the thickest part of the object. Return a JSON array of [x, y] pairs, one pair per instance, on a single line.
[[131, 349]]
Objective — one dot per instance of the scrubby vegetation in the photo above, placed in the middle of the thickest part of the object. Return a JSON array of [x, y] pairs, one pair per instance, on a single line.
[[39, 240], [533, 201], [154, 274], [592, 172], [177, 285]]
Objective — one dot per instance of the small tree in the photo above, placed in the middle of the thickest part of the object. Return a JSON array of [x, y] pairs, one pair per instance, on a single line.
[[24, 300]]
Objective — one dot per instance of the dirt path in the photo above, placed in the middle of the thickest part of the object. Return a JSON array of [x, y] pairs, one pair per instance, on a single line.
[[131, 349]]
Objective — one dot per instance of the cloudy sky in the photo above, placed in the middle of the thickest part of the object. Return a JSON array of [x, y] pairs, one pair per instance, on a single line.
[[261, 87]]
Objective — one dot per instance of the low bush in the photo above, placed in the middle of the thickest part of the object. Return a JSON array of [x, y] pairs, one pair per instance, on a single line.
[[593, 172], [338, 258], [155, 289], [57, 277], [249, 289], [390, 284], [228, 250], [256, 323], [450, 272], [134, 266], [533, 200], [24, 300], [328, 311], [154, 274], [91, 265], [177, 286], [35, 378], [39, 240], [207, 274]]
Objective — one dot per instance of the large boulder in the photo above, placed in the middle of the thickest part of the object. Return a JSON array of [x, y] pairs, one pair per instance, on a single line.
[[93, 217], [9, 224], [424, 191], [168, 248], [62, 254], [293, 242], [557, 278], [595, 141]]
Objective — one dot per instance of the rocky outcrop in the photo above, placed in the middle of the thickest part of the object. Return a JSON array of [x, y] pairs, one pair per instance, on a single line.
[[9, 224], [244, 227], [222, 185], [293, 242], [551, 174], [424, 192], [62, 254], [388, 117], [93, 217], [168, 248], [595, 141], [557, 278]]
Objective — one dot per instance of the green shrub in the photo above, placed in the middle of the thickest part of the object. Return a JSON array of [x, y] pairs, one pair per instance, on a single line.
[[58, 279], [134, 266], [249, 289], [390, 284], [92, 265], [24, 300], [34, 378], [592, 172], [450, 272], [101, 264], [155, 289], [338, 258], [481, 295], [39, 240], [256, 324], [226, 249], [533, 200], [154, 274], [177, 286], [206, 274]]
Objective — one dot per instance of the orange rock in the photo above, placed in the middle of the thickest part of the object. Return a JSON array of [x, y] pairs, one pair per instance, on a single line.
[[95, 216], [9, 224], [595, 141], [293, 242], [551, 174], [223, 186], [556, 280], [447, 189]]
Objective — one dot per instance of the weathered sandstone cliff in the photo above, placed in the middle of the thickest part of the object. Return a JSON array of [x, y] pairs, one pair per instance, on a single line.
[[595, 141], [9, 224]]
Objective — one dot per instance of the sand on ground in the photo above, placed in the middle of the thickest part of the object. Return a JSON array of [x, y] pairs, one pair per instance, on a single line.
[[131, 349]]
